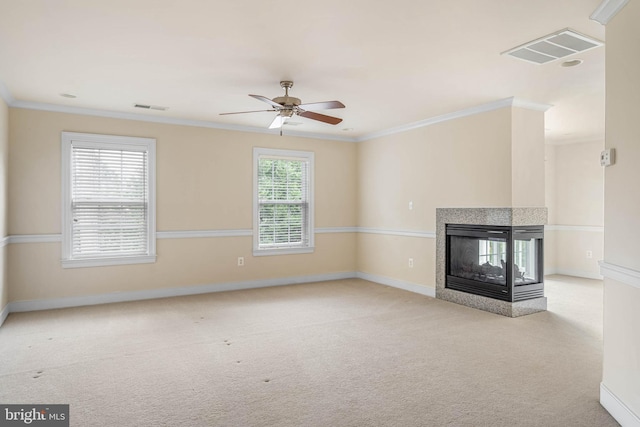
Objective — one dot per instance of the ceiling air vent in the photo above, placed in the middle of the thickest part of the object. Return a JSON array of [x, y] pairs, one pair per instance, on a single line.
[[554, 46]]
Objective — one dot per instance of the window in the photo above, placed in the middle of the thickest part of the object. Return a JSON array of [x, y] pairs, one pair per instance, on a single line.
[[524, 255], [108, 190], [493, 252], [283, 202]]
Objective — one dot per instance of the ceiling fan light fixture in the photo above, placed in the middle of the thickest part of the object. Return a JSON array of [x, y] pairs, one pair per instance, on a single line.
[[277, 122]]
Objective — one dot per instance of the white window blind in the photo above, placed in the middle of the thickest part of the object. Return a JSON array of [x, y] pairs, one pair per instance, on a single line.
[[109, 202], [283, 217], [109, 199]]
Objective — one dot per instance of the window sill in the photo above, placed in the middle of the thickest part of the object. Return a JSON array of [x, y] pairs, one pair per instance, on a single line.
[[283, 251], [101, 262]]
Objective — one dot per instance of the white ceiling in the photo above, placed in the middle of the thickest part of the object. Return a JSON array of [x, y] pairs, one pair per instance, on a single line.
[[390, 62]]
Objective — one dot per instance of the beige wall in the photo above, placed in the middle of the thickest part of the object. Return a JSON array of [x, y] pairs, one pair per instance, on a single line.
[[369, 184], [465, 162], [204, 182], [579, 184], [527, 158], [434, 166], [621, 369], [576, 205], [571, 247], [550, 203], [386, 256], [4, 159]]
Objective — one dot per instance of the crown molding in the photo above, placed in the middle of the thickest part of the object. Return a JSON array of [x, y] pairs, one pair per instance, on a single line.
[[607, 10], [496, 105], [6, 95], [491, 106], [530, 105], [28, 105]]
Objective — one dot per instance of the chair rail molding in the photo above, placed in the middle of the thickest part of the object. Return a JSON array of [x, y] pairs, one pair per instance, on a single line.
[[621, 274]]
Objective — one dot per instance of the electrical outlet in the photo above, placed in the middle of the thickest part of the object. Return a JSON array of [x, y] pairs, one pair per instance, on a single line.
[[411, 205], [589, 254], [410, 262], [240, 261]]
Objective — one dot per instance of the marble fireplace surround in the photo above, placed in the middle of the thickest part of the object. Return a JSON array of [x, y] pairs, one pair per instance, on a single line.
[[484, 216]]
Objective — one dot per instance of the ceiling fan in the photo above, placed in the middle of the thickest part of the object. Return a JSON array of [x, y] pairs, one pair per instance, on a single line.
[[287, 106]]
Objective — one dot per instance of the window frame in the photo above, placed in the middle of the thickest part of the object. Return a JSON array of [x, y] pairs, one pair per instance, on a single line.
[[109, 142], [306, 156]]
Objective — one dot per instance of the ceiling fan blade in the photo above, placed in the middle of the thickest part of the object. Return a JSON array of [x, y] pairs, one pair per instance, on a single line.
[[267, 100], [277, 122], [327, 105], [243, 112], [320, 117]]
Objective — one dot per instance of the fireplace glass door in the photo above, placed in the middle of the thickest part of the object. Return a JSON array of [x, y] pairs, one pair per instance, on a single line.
[[480, 259], [495, 261], [525, 262]]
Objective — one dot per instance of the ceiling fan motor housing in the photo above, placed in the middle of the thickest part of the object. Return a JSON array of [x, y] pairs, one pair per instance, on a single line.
[[286, 100]]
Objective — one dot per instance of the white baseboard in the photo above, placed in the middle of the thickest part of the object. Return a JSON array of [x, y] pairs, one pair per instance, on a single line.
[[53, 303], [617, 408], [47, 304], [4, 313], [574, 273], [400, 284]]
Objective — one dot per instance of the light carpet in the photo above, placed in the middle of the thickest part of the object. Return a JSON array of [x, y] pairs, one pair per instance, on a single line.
[[340, 353]]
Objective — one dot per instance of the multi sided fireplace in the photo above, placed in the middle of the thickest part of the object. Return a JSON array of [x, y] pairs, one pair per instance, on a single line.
[[500, 262]]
